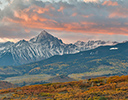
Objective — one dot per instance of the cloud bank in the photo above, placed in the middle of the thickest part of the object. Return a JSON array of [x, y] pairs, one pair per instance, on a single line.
[[25, 18]]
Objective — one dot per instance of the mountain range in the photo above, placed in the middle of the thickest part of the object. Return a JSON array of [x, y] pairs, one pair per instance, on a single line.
[[99, 61], [42, 47], [103, 60]]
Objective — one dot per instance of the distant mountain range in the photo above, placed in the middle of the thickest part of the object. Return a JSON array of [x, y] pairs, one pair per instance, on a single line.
[[42, 47], [103, 60]]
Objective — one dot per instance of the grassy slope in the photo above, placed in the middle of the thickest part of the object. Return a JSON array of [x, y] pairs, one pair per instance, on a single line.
[[93, 89]]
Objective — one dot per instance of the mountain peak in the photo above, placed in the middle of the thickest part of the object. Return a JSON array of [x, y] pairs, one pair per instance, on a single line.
[[22, 41], [44, 35]]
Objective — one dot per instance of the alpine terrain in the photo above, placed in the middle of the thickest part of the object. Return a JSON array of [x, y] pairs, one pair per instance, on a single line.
[[41, 47]]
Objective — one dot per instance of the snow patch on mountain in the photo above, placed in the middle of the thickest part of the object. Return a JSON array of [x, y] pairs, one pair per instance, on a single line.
[[114, 48]]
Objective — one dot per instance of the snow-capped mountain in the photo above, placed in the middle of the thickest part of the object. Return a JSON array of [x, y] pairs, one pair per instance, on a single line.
[[41, 47], [82, 46], [4, 47]]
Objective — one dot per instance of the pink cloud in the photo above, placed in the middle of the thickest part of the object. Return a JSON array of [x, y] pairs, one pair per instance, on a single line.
[[119, 12], [110, 3]]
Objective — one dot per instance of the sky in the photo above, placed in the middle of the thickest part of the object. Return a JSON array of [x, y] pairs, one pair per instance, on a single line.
[[69, 20]]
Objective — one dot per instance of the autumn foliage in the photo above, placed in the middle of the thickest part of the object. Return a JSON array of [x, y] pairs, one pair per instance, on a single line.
[[101, 88]]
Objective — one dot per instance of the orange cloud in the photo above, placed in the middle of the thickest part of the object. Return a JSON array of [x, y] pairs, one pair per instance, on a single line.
[[21, 15], [36, 17], [120, 12], [40, 10], [61, 9], [110, 3], [74, 14], [27, 16], [81, 27]]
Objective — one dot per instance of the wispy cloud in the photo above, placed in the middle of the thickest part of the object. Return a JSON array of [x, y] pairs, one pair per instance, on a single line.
[[110, 3]]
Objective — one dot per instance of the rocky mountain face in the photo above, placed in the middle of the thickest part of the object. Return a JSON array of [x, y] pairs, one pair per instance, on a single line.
[[42, 47]]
